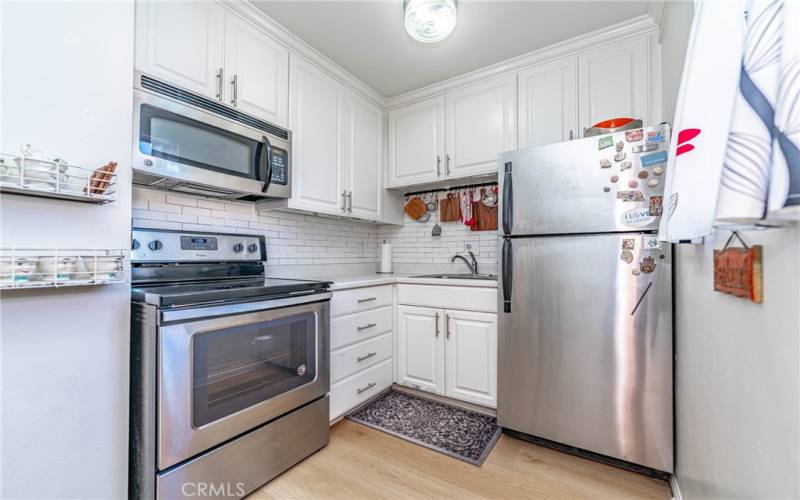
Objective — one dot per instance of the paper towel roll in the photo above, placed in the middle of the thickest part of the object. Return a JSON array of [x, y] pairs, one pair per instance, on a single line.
[[386, 258]]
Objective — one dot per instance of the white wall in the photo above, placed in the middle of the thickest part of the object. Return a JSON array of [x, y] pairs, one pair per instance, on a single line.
[[66, 76], [737, 368], [306, 240], [737, 385]]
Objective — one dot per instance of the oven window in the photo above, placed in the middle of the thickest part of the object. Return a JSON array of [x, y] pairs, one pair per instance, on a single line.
[[179, 139], [238, 367]]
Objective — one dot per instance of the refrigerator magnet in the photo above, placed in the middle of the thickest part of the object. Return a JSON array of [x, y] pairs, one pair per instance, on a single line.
[[635, 272], [605, 142], [655, 136], [654, 159], [620, 156], [606, 189], [656, 205], [604, 163], [637, 217], [633, 184], [619, 145], [630, 196], [634, 135], [628, 243], [658, 170], [626, 256], [625, 165], [652, 183], [647, 265], [614, 178], [643, 174], [650, 242], [644, 148]]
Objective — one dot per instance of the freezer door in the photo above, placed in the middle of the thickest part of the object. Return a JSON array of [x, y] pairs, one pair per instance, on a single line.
[[593, 185], [585, 353]]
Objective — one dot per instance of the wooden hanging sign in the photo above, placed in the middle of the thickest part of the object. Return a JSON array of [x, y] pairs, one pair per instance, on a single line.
[[737, 271]]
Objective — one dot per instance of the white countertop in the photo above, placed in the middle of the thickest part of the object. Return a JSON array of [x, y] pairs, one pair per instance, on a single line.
[[347, 281]]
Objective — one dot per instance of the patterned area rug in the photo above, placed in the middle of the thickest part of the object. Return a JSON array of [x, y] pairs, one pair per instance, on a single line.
[[463, 434]]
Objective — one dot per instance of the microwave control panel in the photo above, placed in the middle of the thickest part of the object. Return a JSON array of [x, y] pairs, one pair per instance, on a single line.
[[280, 166]]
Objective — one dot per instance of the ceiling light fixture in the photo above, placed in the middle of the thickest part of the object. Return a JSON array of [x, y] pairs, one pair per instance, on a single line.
[[430, 21]]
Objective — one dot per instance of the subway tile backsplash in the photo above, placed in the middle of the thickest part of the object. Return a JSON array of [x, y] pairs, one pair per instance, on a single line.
[[304, 239]]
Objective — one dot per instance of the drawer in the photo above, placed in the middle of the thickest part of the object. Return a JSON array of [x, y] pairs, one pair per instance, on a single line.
[[352, 328], [349, 360], [448, 297], [360, 299], [352, 391]]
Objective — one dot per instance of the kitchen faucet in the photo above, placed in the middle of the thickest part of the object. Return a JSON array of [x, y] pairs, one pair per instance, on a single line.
[[473, 267]]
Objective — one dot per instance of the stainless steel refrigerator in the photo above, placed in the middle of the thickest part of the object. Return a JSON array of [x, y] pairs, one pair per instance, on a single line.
[[585, 297]]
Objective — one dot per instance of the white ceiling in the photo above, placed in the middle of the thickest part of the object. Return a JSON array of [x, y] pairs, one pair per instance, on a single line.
[[367, 38]]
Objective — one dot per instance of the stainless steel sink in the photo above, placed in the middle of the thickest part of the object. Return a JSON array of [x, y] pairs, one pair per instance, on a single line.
[[460, 276]]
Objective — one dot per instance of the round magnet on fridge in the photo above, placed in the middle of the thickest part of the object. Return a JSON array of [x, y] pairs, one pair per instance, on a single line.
[[632, 184]]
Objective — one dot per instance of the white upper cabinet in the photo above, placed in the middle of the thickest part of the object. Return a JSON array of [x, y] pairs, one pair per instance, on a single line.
[[547, 108], [315, 118], [201, 47], [614, 82], [416, 143], [182, 43], [363, 165], [256, 71], [480, 123], [420, 352], [471, 357]]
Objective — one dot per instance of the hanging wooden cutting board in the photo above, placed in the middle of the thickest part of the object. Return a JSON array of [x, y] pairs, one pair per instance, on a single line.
[[415, 208], [449, 210], [485, 217]]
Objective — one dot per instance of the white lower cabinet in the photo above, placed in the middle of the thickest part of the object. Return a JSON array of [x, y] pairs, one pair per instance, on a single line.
[[362, 344], [448, 352]]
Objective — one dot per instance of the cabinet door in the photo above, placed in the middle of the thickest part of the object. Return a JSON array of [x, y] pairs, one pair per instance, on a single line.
[[614, 82], [364, 157], [480, 123], [182, 43], [316, 123], [260, 66], [420, 350], [416, 143], [471, 357], [547, 108]]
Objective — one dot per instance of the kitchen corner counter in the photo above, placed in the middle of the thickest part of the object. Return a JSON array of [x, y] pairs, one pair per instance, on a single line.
[[348, 281]]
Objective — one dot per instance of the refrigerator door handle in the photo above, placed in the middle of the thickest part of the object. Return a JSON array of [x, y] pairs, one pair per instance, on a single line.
[[508, 200], [507, 271]]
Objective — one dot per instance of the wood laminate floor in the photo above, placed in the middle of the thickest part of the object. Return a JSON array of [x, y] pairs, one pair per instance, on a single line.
[[363, 463]]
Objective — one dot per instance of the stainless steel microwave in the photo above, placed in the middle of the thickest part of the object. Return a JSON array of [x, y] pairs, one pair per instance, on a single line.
[[189, 143]]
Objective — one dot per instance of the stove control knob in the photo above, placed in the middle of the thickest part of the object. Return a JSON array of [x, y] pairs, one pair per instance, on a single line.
[[155, 245], [135, 244], [238, 247], [252, 248]]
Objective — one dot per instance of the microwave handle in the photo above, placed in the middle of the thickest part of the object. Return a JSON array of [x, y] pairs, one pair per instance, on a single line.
[[267, 177]]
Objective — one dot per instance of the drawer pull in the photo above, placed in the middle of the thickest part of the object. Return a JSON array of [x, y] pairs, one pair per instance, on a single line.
[[361, 301], [365, 389], [362, 358], [368, 325]]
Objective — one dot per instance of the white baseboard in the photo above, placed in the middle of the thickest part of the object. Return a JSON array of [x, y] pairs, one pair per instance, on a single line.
[[676, 491]]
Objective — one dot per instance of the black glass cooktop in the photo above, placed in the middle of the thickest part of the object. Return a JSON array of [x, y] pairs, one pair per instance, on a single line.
[[224, 291]]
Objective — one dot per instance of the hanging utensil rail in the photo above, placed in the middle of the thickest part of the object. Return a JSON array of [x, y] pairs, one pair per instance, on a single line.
[[451, 188]]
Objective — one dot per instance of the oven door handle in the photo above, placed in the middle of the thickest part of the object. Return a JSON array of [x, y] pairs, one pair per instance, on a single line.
[[265, 173], [242, 307]]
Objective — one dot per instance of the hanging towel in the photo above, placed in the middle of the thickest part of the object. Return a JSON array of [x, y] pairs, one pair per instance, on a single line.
[[758, 173], [702, 118]]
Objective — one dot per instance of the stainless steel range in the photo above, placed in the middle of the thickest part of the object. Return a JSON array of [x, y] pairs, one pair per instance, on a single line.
[[229, 369]]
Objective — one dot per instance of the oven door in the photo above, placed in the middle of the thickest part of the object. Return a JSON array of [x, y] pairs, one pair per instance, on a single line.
[[185, 148], [224, 376]]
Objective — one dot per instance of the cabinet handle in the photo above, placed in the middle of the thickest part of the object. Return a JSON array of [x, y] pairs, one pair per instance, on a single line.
[[362, 358], [235, 85], [368, 387], [220, 79], [571, 136], [447, 164], [438, 166], [349, 201], [437, 325], [361, 301], [447, 324], [344, 201], [367, 326]]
